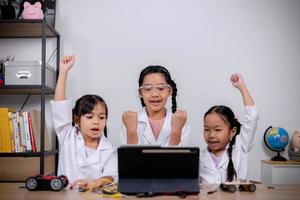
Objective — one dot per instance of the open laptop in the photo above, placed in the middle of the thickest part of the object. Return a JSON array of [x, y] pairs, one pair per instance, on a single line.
[[158, 170]]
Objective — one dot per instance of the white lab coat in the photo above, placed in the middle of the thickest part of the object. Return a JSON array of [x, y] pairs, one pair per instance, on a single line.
[[211, 174], [73, 161], [145, 133]]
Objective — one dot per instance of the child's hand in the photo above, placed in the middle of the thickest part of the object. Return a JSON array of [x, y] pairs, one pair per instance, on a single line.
[[66, 63], [237, 80], [84, 184], [178, 120], [129, 119]]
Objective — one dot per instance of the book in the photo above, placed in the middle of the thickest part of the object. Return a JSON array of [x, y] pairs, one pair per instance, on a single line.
[[36, 122], [5, 145], [16, 132], [11, 129], [32, 139], [27, 132], [22, 132]]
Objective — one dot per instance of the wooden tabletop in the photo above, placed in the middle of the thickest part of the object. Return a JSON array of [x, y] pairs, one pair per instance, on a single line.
[[289, 162], [13, 191]]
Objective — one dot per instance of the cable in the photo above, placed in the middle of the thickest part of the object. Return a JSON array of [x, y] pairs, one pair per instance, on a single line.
[[24, 102]]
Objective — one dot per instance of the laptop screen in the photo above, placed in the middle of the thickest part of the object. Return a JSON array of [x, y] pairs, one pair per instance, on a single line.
[[158, 162]]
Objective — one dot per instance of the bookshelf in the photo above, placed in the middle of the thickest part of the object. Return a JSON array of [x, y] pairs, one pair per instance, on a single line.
[[40, 30]]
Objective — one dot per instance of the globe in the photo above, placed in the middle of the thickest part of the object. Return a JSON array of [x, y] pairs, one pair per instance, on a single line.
[[276, 139]]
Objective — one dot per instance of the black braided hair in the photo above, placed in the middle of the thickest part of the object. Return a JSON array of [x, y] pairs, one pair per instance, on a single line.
[[86, 104], [160, 69], [228, 116]]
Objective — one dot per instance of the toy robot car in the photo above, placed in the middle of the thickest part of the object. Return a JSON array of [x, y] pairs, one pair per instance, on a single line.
[[243, 186], [41, 182]]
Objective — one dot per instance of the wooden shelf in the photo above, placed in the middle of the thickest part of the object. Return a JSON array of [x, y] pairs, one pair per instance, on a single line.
[[24, 89], [27, 154], [25, 29]]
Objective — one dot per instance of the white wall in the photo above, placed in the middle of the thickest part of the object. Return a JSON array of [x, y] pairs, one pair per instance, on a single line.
[[201, 43]]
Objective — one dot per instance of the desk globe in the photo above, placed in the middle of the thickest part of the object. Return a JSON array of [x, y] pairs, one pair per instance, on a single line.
[[276, 139]]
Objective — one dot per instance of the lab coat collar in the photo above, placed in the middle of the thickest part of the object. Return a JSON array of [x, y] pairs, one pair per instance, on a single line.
[[82, 160], [223, 162], [148, 133]]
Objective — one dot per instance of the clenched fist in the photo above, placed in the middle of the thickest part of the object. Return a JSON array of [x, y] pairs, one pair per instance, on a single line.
[[237, 80], [129, 119], [178, 120]]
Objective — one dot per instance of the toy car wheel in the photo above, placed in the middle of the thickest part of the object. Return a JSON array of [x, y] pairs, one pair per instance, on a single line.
[[228, 188], [252, 188], [56, 184], [64, 179], [31, 183]]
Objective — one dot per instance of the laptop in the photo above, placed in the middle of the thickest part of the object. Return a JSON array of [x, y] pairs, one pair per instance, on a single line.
[[158, 170]]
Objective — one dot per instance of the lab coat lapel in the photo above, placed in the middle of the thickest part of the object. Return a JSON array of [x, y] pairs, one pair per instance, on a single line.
[[147, 132], [95, 157], [165, 129], [81, 157], [208, 162]]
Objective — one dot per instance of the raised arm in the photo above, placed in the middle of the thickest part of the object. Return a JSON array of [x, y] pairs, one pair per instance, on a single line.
[[249, 124], [65, 65], [238, 82]]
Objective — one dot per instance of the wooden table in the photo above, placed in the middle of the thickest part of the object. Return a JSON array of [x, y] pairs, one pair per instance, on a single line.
[[11, 191]]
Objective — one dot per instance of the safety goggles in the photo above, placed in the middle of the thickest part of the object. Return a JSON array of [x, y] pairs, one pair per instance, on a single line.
[[161, 88]]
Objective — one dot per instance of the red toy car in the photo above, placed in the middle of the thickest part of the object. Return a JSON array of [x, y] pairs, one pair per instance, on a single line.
[[41, 182]]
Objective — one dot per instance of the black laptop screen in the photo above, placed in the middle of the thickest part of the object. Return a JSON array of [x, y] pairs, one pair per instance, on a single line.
[[158, 162]]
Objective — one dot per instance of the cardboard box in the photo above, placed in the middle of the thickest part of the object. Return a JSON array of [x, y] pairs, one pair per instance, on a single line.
[[28, 73]]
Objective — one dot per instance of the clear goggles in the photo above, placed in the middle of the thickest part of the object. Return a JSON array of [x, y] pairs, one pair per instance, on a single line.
[[161, 88]]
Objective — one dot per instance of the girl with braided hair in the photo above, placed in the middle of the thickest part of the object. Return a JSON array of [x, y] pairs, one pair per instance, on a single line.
[[154, 124], [86, 156], [228, 141]]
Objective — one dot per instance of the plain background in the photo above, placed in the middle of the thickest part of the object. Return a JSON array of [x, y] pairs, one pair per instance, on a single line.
[[200, 42]]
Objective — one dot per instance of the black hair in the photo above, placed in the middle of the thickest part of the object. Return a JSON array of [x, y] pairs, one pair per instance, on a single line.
[[86, 104], [228, 116], [160, 69]]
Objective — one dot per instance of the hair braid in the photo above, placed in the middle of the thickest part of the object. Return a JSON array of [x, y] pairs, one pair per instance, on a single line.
[[105, 131], [231, 173], [174, 94]]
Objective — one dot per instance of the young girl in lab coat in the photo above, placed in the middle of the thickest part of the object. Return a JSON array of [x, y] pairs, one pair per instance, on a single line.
[[228, 141], [86, 157], [154, 124]]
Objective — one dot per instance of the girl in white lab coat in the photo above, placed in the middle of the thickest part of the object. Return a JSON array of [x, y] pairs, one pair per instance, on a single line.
[[155, 124], [228, 141], [86, 157]]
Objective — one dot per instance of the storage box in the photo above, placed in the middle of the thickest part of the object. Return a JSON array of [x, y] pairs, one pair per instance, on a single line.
[[28, 73]]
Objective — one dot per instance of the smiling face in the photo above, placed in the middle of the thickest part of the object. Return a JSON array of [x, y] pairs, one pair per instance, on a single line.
[[155, 92], [92, 124], [217, 133]]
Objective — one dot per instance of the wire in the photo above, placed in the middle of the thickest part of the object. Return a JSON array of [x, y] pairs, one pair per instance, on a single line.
[[24, 102], [51, 55]]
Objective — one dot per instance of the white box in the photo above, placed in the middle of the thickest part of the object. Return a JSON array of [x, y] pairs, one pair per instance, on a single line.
[[280, 172], [28, 73]]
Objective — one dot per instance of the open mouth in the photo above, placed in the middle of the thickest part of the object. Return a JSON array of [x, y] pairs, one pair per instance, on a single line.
[[95, 129], [155, 102], [213, 143]]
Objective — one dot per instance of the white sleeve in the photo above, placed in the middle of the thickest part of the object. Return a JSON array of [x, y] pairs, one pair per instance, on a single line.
[[184, 136], [248, 129], [62, 118], [123, 136], [111, 166]]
